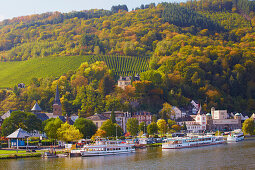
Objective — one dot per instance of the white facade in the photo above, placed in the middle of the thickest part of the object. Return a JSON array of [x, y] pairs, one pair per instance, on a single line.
[[219, 114], [198, 125], [177, 113]]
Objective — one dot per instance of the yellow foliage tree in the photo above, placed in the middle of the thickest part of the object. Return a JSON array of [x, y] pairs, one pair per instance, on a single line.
[[68, 133]]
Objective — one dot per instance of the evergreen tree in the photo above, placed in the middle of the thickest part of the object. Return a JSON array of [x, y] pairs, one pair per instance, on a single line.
[[112, 118]]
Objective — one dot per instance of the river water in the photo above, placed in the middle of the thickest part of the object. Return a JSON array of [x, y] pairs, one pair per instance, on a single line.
[[226, 156]]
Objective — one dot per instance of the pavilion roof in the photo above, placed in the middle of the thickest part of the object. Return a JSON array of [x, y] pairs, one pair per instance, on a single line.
[[19, 133]]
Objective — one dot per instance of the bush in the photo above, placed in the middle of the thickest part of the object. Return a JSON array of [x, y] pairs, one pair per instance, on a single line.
[[4, 145]]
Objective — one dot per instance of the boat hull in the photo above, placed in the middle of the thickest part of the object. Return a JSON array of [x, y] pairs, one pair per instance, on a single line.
[[190, 146], [104, 153]]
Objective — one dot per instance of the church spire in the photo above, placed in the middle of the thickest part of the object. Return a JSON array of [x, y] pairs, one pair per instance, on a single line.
[[57, 98]]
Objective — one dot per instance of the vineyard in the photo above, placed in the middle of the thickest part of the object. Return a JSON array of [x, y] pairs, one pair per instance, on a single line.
[[12, 73], [123, 65]]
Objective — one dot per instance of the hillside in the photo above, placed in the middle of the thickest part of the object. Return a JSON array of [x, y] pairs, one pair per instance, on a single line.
[[16, 72], [199, 50]]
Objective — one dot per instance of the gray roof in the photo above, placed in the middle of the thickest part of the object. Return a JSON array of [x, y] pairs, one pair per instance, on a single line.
[[7, 114], [41, 116], [19, 133], [97, 117], [36, 107]]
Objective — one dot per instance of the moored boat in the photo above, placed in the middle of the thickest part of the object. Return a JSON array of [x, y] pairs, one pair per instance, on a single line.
[[235, 136], [107, 148], [194, 141]]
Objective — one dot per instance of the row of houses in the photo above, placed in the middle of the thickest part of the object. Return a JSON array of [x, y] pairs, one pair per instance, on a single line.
[[192, 117]]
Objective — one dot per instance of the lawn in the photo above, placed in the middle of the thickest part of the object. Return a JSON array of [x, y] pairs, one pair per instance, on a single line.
[[10, 152]]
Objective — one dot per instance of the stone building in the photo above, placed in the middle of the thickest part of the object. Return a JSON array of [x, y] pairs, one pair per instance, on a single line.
[[197, 125], [124, 81], [143, 116], [98, 119], [220, 120]]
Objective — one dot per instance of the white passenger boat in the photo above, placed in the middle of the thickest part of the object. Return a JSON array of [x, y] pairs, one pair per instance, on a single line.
[[107, 148], [235, 136], [188, 142]]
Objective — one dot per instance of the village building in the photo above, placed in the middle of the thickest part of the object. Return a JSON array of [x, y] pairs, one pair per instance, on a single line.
[[57, 111], [21, 85], [143, 116], [98, 119], [177, 113], [220, 120], [197, 125], [120, 117], [124, 81]]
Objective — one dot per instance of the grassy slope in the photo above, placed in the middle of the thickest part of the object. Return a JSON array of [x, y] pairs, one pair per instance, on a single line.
[[12, 73]]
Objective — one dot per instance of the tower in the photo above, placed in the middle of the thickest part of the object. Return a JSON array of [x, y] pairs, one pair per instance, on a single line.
[[57, 107], [212, 112]]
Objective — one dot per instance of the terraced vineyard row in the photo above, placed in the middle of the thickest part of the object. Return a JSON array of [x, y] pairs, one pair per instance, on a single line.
[[123, 65]]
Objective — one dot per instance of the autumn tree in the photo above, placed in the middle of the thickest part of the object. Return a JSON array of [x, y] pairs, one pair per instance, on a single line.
[[68, 133], [162, 126], [248, 126]]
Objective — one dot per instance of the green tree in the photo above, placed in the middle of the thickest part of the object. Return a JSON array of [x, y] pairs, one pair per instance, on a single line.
[[111, 129], [184, 127], [132, 126], [68, 133], [51, 128], [152, 128], [86, 127], [112, 118], [143, 127], [162, 126], [248, 126], [19, 119]]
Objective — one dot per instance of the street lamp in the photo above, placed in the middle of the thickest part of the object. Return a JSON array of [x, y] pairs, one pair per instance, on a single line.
[[144, 129], [116, 131]]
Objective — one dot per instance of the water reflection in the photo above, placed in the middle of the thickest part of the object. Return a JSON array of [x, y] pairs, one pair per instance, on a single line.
[[228, 156]]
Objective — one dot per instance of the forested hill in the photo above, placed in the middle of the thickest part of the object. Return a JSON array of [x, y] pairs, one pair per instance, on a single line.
[[134, 33], [201, 50]]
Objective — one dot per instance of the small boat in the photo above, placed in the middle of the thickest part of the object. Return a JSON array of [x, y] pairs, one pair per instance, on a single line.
[[107, 148], [49, 155], [193, 141], [235, 136]]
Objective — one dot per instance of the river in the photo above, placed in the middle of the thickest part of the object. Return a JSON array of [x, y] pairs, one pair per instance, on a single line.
[[226, 156]]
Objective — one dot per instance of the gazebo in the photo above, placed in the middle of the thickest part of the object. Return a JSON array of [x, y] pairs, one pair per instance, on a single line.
[[17, 138]]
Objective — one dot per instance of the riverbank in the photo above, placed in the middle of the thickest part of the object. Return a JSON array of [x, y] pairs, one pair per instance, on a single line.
[[14, 154], [20, 155]]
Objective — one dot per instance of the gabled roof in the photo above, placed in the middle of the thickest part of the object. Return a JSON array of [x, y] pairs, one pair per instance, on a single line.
[[97, 117], [127, 78], [41, 116], [36, 108], [7, 114], [19, 133]]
